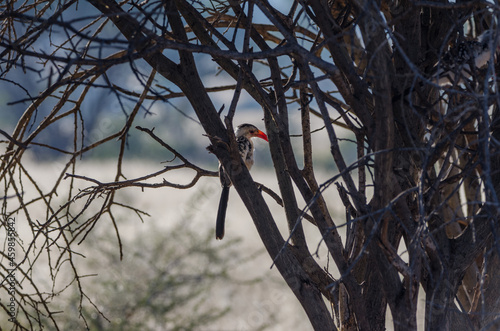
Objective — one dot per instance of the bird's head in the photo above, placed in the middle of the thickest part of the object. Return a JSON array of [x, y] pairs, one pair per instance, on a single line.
[[250, 131]]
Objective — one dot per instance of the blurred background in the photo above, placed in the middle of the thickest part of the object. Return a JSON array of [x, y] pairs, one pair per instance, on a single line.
[[155, 265]]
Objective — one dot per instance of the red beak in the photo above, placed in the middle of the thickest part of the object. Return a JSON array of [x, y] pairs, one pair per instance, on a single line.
[[262, 135]]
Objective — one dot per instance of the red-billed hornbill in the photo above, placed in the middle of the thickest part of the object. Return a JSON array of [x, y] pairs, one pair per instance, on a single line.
[[244, 135]]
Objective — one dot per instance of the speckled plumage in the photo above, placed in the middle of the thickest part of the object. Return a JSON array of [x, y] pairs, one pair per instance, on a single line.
[[244, 135]]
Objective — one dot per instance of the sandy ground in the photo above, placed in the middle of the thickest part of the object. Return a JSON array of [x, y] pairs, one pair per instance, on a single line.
[[252, 305]]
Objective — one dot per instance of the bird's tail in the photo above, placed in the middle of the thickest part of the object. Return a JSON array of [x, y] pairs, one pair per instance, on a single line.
[[221, 213]]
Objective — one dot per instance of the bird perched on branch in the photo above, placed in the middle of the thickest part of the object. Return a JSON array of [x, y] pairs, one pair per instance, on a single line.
[[455, 65], [244, 135]]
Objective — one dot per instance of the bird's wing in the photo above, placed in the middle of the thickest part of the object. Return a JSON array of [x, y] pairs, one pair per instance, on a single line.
[[246, 151]]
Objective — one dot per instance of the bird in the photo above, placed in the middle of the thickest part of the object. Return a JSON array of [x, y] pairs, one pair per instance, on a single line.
[[244, 134], [455, 65]]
